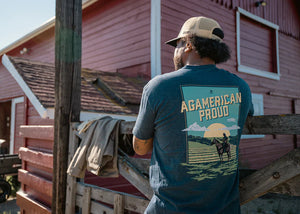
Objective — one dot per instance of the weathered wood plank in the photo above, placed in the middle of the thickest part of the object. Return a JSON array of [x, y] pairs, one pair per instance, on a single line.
[[71, 181], [44, 132], [126, 127], [38, 183], [31, 206], [135, 177], [119, 204], [291, 187], [131, 202], [266, 124], [86, 203], [95, 206], [141, 164], [273, 124], [37, 158], [68, 35], [262, 181]]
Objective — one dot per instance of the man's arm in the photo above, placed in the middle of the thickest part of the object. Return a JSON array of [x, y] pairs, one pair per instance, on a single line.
[[142, 147]]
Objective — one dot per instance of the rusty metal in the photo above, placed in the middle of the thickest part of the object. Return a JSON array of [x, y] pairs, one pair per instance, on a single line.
[[276, 175]]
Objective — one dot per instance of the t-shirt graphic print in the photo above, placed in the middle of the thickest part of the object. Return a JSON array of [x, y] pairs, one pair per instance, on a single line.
[[211, 120]]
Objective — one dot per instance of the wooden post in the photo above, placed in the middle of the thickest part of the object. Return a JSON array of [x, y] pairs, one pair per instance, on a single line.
[[67, 91], [71, 181], [86, 200], [119, 204]]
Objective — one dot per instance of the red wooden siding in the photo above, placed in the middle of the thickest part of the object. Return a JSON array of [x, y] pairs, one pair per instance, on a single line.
[[33, 117], [118, 184], [141, 70], [116, 35], [281, 12], [174, 13], [8, 86], [41, 48], [255, 153]]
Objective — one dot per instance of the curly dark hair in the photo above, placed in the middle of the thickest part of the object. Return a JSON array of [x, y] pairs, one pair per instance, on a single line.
[[213, 49]]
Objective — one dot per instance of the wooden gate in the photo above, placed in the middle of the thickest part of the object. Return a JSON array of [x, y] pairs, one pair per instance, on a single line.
[[282, 176]]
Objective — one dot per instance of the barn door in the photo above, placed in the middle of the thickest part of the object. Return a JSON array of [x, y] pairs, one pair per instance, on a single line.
[[5, 114]]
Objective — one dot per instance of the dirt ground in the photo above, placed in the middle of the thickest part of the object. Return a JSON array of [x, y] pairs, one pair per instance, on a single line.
[[9, 207], [273, 204]]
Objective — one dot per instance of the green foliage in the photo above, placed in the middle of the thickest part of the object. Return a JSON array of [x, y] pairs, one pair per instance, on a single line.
[[14, 183]]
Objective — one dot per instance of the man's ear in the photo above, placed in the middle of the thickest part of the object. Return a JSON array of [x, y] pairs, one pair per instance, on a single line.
[[188, 47]]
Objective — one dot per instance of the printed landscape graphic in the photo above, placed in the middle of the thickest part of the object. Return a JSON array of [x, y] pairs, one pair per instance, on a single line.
[[211, 115]]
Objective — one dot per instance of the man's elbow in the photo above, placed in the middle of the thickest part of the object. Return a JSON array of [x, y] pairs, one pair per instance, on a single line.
[[139, 152], [142, 147]]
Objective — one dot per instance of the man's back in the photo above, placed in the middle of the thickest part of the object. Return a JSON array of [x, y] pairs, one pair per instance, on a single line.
[[188, 112]]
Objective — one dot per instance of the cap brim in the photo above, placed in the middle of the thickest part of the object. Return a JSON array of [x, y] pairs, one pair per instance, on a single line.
[[172, 42]]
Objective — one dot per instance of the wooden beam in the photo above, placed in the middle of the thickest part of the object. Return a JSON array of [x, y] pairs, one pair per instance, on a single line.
[[86, 203], [287, 94], [31, 206], [142, 164], [273, 124], [68, 35], [291, 187], [278, 172], [131, 202], [36, 157], [119, 204], [135, 177], [126, 127], [71, 181], [266, 124], [40, 184], [95, 206], [37, 132]]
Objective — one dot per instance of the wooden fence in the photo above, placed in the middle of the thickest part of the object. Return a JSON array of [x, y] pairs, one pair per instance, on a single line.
[[86, 196], [282, 176]]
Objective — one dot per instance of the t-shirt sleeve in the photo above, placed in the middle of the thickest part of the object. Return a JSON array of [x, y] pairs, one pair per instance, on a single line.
[[144, 126]]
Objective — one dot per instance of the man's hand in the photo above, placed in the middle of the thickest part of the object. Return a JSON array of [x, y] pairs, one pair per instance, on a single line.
[[142, 147]]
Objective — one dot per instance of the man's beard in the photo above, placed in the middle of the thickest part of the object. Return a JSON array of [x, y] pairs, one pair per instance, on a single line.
[[178, 63]]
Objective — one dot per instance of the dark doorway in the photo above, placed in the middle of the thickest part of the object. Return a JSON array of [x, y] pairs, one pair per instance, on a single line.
[[5, 113]]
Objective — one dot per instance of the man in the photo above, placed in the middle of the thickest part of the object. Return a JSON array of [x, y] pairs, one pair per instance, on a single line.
[[181, 113]]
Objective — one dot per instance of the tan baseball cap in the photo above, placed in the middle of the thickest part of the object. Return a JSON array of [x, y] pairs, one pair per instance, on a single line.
[[199, 26]]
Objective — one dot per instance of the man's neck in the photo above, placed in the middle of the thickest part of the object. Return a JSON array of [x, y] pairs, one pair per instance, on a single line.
[[194, 59], [202, 62]]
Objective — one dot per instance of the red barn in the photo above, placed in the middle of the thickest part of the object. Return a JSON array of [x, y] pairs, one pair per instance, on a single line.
[[127, 37]]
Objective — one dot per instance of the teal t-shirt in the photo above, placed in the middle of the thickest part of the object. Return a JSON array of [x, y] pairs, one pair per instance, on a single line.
[[195, 116]]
